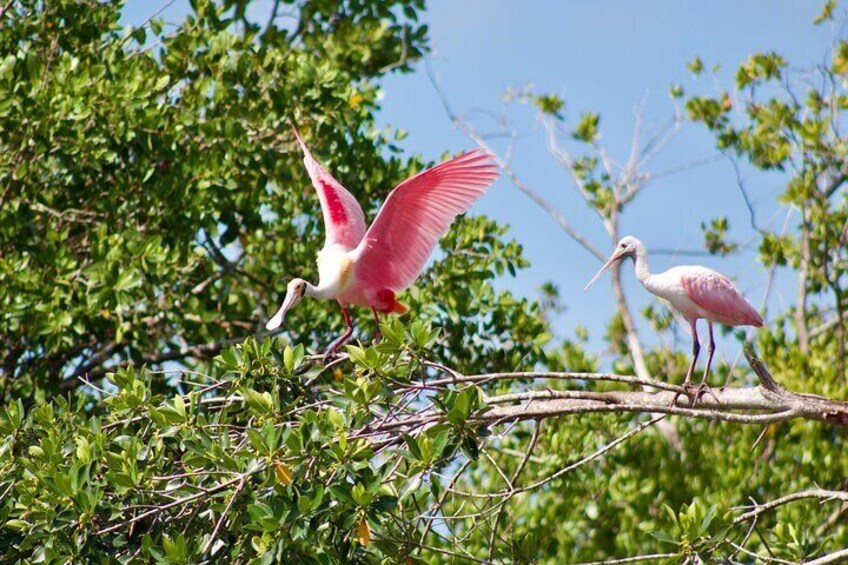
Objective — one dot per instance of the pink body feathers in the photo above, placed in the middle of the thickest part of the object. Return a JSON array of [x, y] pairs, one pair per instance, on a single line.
[[693, 293], [718, 299], [367, 267]]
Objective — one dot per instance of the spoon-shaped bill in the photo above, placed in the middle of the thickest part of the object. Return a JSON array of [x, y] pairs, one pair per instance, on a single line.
[[292, 298], [606, 266]]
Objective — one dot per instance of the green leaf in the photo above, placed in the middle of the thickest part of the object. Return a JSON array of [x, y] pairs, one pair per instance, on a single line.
[[587, 128], [665, 538], [357, 354], [17, 525], [412, 444], [695, 66]]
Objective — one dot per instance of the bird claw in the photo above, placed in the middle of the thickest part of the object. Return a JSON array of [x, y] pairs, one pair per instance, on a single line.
[[329, 356], [677, 395], [696, 392]]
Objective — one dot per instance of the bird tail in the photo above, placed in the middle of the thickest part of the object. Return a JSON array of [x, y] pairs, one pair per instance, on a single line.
[[389, 304], [754, 318]]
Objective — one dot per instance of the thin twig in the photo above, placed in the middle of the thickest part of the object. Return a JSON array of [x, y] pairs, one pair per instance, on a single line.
[[634, 559], [582, 461], [224, 514]]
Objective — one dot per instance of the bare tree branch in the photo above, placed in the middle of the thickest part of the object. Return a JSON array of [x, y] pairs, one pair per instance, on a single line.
[[512, 489], [579, 463], [840, 556], [466, 128], [634, 559], [766, 403], [822, 494]]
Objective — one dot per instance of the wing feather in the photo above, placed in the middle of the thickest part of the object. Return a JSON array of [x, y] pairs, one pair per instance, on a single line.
[[344, 221], [717, 294], [416, 215]]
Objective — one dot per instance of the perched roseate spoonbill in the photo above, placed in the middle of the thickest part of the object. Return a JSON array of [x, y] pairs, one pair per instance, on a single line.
[[693, 293], [368, 268]]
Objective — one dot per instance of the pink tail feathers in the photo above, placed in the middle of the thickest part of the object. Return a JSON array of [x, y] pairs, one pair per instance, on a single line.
[[388, 303]]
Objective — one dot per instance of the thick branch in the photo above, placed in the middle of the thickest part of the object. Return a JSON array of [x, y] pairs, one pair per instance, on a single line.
[[749, 405], [768, 402], [840, 556]]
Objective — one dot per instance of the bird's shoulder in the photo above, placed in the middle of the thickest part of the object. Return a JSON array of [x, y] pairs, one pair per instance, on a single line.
[[696, 272], [334, 253], [703, 279]]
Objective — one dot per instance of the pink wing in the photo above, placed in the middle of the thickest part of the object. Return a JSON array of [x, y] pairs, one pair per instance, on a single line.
[[415, 215], [344, 221], [717, 294]]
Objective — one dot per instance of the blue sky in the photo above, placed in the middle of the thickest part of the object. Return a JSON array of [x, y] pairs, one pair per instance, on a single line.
[[604, 56]]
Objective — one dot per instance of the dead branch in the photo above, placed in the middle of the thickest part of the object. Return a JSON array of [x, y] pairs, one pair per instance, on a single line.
[[821, 494], [549, 208], [634, 559], [766, 403]]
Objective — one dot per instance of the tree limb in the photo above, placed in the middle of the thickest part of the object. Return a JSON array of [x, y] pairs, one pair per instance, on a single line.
[[766, 403], [824, 495]]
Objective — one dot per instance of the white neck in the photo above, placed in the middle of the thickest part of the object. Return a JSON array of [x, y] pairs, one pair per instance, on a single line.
[[318, 291], [640, 261]]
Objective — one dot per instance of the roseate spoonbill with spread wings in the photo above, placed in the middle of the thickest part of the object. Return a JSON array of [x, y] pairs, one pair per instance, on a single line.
[[368, 268], [693, 292]]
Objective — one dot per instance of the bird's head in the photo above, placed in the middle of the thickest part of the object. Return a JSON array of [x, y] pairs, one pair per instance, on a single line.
[[628, 246], [295, 291]]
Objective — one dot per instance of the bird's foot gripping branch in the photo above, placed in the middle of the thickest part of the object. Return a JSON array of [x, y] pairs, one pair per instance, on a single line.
[[385, 451]]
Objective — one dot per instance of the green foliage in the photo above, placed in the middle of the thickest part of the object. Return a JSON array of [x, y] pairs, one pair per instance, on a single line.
[[715, 237], [827, 12], [274, 445], [760, 68], [153, 205], [142, 187], [695, 532], [152, 197], [695, 66], [550, 104], [587, 128]]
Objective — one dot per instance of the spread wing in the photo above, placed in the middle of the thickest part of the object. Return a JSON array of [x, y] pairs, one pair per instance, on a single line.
[[716, 293], [344, 222], [415, 215]]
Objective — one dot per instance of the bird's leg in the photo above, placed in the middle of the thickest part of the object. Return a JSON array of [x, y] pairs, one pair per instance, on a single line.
[[696, 349], [331, 351], [704, 387], [377, 335]]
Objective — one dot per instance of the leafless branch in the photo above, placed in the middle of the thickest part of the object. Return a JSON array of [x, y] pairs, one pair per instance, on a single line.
[[223, 516], [635, 559], [178, 502], [579, 463], [765, 403], [840, 556], [740, 183], [822, 494], [200, 351], [511, 483], [404, 54], [551, 210]]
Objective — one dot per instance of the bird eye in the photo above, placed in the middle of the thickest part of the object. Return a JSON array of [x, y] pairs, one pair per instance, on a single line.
[[622, 245]]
